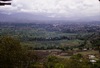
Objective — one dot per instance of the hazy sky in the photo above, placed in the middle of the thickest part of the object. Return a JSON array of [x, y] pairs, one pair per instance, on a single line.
[[55, 8]]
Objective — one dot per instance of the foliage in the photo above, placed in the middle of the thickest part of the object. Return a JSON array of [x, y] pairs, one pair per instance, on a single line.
[[52, 62], [76, 61], [96, 42], [13, 55], [10, 52]]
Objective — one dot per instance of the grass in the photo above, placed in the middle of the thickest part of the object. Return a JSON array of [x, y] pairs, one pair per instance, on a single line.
[[45, 44], [88, 52]]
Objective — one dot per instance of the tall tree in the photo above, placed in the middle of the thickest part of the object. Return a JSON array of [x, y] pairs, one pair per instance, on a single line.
[[11, 53]]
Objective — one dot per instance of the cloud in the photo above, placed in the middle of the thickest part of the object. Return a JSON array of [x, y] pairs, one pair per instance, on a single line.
[[66, 8]]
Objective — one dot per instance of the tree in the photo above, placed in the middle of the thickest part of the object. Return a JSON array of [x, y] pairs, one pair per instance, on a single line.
[[11, 53], [51, 62], [58, 65], [96, 42]]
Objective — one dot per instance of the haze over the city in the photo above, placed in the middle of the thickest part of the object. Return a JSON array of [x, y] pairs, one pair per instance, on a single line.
[[69, 10]]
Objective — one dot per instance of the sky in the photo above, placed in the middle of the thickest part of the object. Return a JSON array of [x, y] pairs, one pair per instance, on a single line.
[[53, 9]]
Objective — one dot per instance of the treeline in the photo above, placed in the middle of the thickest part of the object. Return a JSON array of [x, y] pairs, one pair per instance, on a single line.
[[49, 39]]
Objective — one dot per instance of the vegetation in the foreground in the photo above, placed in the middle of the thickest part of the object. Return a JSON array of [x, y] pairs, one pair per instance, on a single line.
[[14, 55]]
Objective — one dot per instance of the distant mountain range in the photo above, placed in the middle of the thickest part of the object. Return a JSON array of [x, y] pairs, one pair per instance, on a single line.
[[27, 17]]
